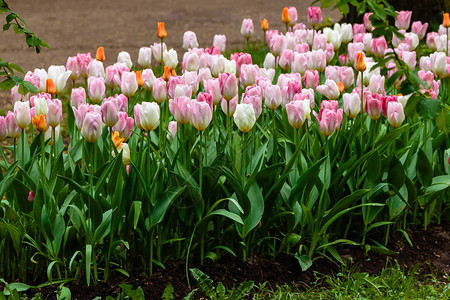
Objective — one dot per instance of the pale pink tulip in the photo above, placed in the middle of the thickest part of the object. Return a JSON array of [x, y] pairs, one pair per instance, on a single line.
[[232, 105], [247, 28], [212, 86], [13, 131], [373, 107], [172, 128], [110, 112], [366, 20], [228, 85], [92, 126], [160, 90], [77, 97], [276, 44], [189, 40], [330, 89], [128, 84], [124, 125], [149, 78], [220, 41], [180, 109], [54, 115], [96, 89], [3, 128], [352, 104], [395, 114], [22, 114], [96, 69], [329, 120], [379, 46], [285, 59], [191, 61], [314, 15], [272, 96], [403, 19], [83, 61], [419, 29], [200, 114], [297, 112], [311, 79], [145, 57], [149, 114], [376, 84], [73, 66]]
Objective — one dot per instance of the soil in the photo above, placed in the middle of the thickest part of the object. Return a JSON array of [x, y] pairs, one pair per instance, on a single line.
[[430, 251], [71, 27]]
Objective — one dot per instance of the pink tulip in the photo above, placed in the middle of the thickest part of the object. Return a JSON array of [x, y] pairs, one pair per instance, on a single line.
[[156, 50], [272, 96], [403, 19], [314, 15], [332, 73], [172, 128], [182, 90], [149, 78], [385, 102], [241, 59], [110, 76], [247, 28], [31, 196], [3, 128], [232, 104], [438, 63], [317, 60], [343, 59], [409, 58], [15, 95], [426, 76], [373, 107], [367, 23], [173, 82], [160, 90], [311, 79], [220, 41], [293, 17], [432, 37], [354, 48], [189, 40], [212, 86], [228, 85], [319, 42], [379, 46], [346, 76], [191, 61], [191, 79], [180, 109], [128, 83], [419, 29], [13, 130], [79, 114], [22, 114], [358, 28], [73, 66], [92, 126], [248, 74], [124, 125], [96, 89], [33, 78], [358, 38], [110, 112], [329, 104], [329, 53], [352, 104], [83, 61], [376, 84], [206, 97], [255, 101], [77, 97], [269, 34], [299, 63], [203, 75], [285, 59], [96, 69], [330, 89], [200, 114], [329, 120], [395, 114], [276, 44], [301, 48], [297, 112], [54, 115], [145, 57]]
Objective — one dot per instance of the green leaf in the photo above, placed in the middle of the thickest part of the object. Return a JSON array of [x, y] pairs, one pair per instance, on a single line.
[[429, 108], [88, 258], [168, 293], [373, 167], [228, 214], [162, 204], [256, 208], [377, 9], [396, 175], [304, 261], [424, 169]]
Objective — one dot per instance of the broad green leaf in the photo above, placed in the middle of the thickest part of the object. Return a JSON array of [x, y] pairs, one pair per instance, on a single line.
[[304, 261]]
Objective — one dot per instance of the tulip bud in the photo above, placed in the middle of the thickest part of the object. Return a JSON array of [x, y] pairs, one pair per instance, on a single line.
[[54, 116], [149, 115], [50, 86], [172, 128], [22, 114], [314, 15], [100, 55], [128, 84], [161, 33], [72, 65], [160, 90], [330, 90], [189, 40], [264, 24], [39, 123], [231, 105], [3, 128], [170, 58], [124, 57], [13, 130], [247, 28], [374, 107], [228, 85], [145, 57], [395, 114], [244, 117], [446, 20], [352, 104], [110, 112], [285, 18], [96, 89], [272, 96], [329, 120], [77, 97], [360, 64], [200, 114], [298, 111], [31, 196], [403, 19], [220, 41], [59, 75]]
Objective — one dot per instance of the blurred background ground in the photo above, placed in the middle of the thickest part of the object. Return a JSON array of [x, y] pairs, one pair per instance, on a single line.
[[70, 27]]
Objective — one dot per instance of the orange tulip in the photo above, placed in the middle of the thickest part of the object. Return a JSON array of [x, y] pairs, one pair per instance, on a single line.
[[166, 74], [340, 86], [264, 24], [162, 33], [117, 140], [360, 64], [139, 79], [285, 18], [50, 86], [174, 73], [100, 55], [39, 123], [446, 21]]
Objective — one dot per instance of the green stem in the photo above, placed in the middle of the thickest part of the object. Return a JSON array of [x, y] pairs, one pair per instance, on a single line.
[[274, 136], [14, 147], [200, 179], [53, 146], [23, 147]]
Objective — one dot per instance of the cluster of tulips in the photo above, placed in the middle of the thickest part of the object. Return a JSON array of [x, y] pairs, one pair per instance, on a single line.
[[322, 133]]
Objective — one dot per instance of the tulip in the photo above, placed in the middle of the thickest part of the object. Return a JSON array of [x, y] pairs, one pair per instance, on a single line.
[[40, 104], [161, 32], [212, 86], [124, 125], [54, 115], [191, 61], [409, 57], [77, 96], [149, 115], [171, 58], [172, 128], [59, 75], [125, 150], [33, 78], [189, 40], [314, 15], [96, 89], [247, 28], [366, 20], [180, 109], [346, 76], [419, 29], [358, 28], [276, 44], [319, 41], [360, 64], [285, 17], [220, 41], [72, 65], [329, 89], [352, 104], [376, 84], [3, 128], [332, 73], [22, 114], [15, 95], [124, 57], [438, 63], [228, 85], [311, 79], [285, 59], [31, 196], [403, 19], [329, 120], [232, 106], [145, 57], [13, 131], [255, 101], [272, 96], [244, 117], [191, 79], [50, 86], [100, 55], [159, 90], [39, 123], [128, 84], [317, 60], [297, 112], [156, 50], [299, 63], [373, 107], [379, 46], [110, 112], [200, 114], [264, 25], [346, 33], [92, 127], [395, 114], [83, 61], [182, 90], [96, 69]]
